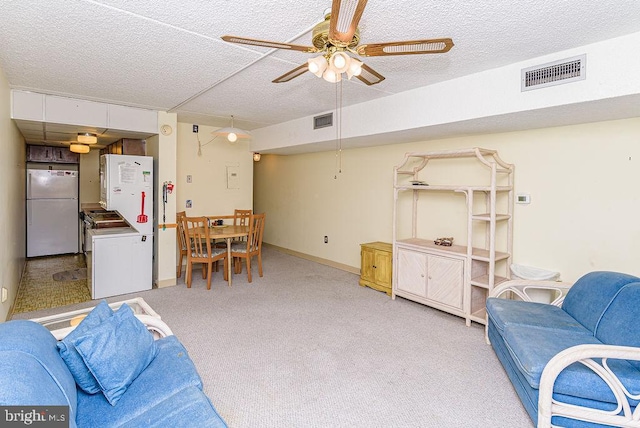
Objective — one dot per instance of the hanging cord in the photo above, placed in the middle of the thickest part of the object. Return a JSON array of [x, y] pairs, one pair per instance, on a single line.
[[200, 145], [338, 129]]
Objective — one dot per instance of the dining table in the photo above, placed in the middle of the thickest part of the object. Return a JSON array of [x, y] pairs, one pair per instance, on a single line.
[[228, 232]]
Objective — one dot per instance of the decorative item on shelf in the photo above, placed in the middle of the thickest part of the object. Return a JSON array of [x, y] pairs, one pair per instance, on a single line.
[[445, 242], [87, 138], [419, 183], [79, 148], [232, 133], [256, 157]]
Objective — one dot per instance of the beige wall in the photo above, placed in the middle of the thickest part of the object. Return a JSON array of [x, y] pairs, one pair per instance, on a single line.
[[208, 190], [163, 148], [90, 177], [582, 180], [12, 201]]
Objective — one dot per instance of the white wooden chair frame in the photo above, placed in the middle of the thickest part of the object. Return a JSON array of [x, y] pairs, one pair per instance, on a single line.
[[156, 326], [548, 407]]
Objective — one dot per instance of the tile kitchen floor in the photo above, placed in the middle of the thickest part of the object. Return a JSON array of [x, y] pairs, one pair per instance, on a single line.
[[49, 282]]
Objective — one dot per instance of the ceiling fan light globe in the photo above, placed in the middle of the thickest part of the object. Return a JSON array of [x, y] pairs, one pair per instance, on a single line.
[[340, 62], [331, 76], [355, 68], [232, 137], [317, 65]]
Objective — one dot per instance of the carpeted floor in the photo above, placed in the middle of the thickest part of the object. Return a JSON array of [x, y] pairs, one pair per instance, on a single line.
[[50, 282], [306, 346]]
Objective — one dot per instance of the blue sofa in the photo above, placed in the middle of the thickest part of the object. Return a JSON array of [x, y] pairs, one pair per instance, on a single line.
[[574, 362], [163, 388]]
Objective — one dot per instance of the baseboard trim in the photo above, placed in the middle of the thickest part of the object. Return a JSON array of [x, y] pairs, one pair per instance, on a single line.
[[320, 260], [166, 283]]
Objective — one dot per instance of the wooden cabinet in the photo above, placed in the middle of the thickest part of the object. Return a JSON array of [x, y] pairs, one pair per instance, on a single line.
[[456, 278], [430, 277], [126, 146], [375, 268], [51, 154]]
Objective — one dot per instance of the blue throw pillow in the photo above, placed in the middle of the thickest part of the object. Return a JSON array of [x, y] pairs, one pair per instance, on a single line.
[[69, 354], [117, 351]]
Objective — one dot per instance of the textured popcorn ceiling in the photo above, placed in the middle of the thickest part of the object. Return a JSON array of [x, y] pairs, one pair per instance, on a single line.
[[159, 54]]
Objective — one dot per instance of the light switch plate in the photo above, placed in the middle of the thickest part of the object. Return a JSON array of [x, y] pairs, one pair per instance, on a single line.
[[523, 198]]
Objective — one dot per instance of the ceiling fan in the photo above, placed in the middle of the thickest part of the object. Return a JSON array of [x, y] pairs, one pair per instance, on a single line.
[[338, 34]]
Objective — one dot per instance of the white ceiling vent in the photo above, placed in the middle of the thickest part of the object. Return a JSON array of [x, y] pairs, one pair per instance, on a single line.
[[554, 73], [323, 121]]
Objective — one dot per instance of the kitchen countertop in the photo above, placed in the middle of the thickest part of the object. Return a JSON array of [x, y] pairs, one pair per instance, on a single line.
[[113, 231]]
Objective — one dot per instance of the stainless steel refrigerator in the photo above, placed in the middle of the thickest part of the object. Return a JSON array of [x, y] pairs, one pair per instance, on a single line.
[[52, 212]]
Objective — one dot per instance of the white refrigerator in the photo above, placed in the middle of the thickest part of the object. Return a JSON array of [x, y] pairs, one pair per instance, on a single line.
[[121, 259], [52, 212]]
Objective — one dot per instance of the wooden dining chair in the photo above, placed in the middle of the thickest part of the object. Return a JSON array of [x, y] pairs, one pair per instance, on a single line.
[[200, 249], [181, 239], [251, 247], [241, 217]]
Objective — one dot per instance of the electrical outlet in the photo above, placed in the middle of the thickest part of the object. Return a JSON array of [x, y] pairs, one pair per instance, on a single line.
[[189, 203], [188, 179], [195, 128], [5, 295], [326, 239]]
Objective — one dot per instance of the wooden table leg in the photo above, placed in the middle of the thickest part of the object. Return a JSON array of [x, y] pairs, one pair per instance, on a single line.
[[230, 262]]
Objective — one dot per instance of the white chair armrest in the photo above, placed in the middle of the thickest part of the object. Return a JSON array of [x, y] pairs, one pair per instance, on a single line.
[[520, 288], [156, 326], [585, 354]]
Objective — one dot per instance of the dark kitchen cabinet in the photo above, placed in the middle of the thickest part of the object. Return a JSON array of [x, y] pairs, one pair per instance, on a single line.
[[51, 154], [126, 146]]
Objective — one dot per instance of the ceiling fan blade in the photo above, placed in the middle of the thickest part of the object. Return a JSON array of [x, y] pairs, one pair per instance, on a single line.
[[292, 74], [345, 16], [369, 75], [430, 46], [269, 44]]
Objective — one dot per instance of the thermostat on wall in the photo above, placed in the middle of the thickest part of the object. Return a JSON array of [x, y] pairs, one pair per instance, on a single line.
[[523, 198]]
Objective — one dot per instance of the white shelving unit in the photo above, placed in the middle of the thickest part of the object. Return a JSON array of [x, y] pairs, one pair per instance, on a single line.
[[455, 279]]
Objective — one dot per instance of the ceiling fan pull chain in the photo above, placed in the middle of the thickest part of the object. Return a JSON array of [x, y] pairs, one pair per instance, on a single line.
[[335, 175], [340, 133], [338, 129]]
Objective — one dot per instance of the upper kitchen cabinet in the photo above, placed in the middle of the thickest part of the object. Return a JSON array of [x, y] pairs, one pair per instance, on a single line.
[[72, 111], [132, 119], [27, 106], [51, 154], [33, 108]]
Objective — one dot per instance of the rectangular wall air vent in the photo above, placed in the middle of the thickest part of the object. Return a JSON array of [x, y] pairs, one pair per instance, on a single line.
[[554, 73], [323, 121]]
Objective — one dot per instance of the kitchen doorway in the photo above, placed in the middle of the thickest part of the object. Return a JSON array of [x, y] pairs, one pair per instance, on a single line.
[[50, 282]]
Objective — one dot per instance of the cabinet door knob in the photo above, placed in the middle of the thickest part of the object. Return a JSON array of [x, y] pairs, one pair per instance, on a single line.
[[422, 275]]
